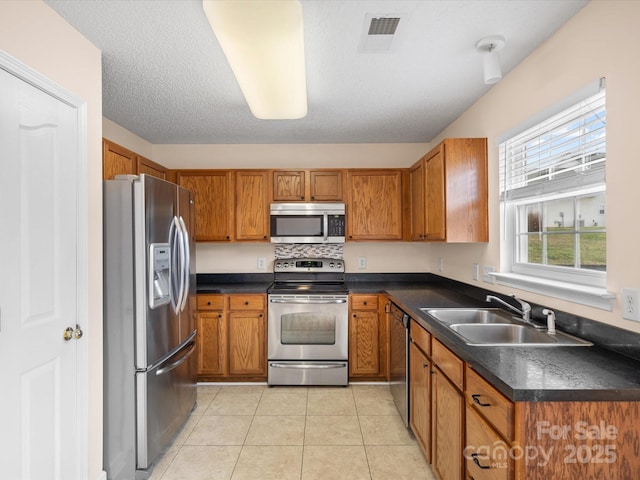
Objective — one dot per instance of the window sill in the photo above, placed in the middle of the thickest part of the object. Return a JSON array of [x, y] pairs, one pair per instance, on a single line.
[[572, 292]]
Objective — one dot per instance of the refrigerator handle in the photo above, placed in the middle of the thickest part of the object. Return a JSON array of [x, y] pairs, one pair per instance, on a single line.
[[176, 364], [175, 240], [186, 265]]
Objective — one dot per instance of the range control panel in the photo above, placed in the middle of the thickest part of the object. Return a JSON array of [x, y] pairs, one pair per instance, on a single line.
[[308, 265]]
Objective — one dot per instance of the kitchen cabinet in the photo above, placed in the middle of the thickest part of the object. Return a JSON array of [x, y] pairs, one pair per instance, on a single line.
[[450, 205], [489, 422], [417, 216], [232, 337], [447, 403], [307, 185], [252, 205], [149, 167], [212, 335], [367, 338], [213, 191], [375, 205], [117, 160], [420, 368], [248, 336]]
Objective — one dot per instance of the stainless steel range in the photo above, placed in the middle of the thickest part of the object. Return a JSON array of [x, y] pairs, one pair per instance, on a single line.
[[308, 318]]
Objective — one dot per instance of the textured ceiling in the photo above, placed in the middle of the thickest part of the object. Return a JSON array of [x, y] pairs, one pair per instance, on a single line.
[[166, 79]]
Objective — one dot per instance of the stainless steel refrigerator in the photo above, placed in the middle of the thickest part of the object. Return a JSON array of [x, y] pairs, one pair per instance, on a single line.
[[149, 327]]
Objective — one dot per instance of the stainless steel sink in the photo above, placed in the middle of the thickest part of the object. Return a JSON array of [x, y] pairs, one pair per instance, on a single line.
[[497, 334], [470, 315]]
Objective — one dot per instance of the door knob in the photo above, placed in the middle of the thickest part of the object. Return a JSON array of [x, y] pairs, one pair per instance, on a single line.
[[77, 333], [70, 333]]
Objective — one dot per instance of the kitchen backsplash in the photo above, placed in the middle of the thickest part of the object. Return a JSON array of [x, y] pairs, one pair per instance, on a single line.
[[314, 250]]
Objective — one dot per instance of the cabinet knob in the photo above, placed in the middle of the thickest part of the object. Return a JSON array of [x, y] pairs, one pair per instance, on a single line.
[[260, 315], [228, 237], [354, 315], [246, 303], [425, 365], [208, 303], [264, 237], [313, 198], [364, 303], [302, 197]]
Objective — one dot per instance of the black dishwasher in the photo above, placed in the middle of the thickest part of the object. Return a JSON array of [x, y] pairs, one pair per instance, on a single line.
[[399, 361]]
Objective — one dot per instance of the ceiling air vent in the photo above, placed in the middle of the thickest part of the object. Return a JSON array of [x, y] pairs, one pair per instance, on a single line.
[[378, 33], [383, 26]]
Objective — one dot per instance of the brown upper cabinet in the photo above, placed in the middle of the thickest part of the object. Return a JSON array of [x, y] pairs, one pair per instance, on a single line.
[[448, 192], [252, 205], [117, 160], [374, 204], [307, 185], [213, 192], [149, 167]]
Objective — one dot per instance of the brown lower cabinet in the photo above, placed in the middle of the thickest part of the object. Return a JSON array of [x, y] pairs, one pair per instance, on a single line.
[[367, 337], [232, 337], [479, 434]]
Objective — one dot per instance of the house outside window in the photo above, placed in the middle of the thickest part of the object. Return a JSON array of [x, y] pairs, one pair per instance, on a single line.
[[552, 194]]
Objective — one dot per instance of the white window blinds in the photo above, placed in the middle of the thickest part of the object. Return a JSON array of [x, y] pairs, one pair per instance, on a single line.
[[563, 153]]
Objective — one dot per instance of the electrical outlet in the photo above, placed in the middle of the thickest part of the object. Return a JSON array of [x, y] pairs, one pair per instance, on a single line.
[[631, 304], [440, 264], [476, 271], [486, 270], [262, 263], [362, 262]]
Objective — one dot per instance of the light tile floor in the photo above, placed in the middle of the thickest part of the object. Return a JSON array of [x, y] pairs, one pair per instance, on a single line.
[[317, 433]]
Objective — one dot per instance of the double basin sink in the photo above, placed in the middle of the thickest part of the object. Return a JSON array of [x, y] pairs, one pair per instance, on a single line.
[[495, 327]]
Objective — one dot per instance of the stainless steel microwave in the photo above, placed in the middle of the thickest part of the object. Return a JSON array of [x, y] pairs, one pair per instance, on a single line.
[[307, 222]]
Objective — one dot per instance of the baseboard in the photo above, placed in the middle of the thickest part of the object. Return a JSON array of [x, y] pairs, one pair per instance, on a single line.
[[102, 476]]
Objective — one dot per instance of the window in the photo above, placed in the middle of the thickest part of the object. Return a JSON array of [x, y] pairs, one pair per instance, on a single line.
[[552, 193]]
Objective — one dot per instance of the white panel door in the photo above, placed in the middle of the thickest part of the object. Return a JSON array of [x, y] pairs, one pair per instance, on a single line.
[[38, 269]]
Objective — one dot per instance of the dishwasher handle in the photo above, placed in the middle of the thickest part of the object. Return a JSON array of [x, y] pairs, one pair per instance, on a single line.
[[405, 320]]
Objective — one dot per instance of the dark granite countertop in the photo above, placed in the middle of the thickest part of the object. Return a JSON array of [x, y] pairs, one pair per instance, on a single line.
[[528, 373], [234, 282]]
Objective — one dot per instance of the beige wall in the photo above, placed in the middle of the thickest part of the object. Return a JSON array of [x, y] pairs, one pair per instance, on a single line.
[[37, 36], [341, 155], [600, 41]]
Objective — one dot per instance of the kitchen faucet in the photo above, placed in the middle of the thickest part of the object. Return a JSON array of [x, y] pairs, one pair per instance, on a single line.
[[524, 310]]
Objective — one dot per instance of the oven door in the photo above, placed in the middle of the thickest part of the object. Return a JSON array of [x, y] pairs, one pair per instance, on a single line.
[[308, 327]]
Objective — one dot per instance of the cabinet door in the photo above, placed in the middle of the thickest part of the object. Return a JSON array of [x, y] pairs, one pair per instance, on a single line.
[[247, 343], [288, 186], [435, 195], [364, 347], [417, 199], [447, 428], [117, 160], [213, 193], [375, 205], [325, 186], [212, 343], [420, 402], [149, 167], [252, 205]]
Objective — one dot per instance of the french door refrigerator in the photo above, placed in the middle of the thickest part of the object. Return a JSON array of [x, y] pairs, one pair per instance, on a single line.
[[149, 328]]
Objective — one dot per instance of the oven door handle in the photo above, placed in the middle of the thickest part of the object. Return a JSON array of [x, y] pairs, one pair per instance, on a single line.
[[308, 300], [308, 366]]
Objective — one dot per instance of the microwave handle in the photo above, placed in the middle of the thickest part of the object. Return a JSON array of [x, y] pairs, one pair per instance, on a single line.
[[326, 226]]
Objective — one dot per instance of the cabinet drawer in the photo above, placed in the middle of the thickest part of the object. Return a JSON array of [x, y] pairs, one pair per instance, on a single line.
[[421, 337], [495, 407], [246, 302], [210, 302], [364, 302], [485, 448], [449, 363]]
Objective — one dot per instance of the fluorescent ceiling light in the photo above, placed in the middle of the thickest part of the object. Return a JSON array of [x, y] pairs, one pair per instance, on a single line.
[[263, 41]]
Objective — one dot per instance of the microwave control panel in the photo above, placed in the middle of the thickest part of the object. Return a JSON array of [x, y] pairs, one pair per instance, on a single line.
[[336, 226]]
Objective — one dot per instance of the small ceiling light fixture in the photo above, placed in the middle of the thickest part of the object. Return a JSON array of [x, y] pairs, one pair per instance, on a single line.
[[263, 41], [489, 47]]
